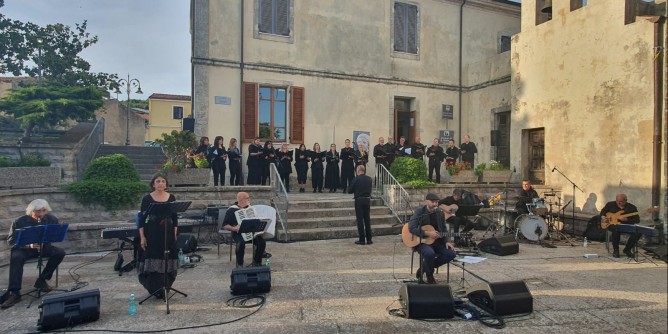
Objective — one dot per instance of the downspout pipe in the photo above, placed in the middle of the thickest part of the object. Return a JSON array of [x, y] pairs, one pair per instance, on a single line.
[[241, 82], [192, 64], [459, 95]]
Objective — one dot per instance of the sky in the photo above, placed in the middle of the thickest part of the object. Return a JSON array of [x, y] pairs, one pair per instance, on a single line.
[[148, 39]]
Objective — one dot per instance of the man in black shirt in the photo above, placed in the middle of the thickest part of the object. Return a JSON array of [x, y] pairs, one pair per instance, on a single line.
[[418, 149], [451, 153], [230, 223], [456, 220], [468, 150], [435, 155], [37, 213], [389, 148], [621, 204], [361, 187], [380, 154], [435, 251], [526, 195]]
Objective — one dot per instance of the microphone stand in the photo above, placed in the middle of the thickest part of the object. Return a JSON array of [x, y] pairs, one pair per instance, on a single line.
[[574, 187]]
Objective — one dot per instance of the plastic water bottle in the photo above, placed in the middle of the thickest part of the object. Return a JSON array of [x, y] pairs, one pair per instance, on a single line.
[[180, 256], [132, 309], [268, 262], [584, 245]]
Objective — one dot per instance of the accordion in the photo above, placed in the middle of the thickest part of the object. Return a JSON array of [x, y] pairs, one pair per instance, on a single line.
[[258, 212]]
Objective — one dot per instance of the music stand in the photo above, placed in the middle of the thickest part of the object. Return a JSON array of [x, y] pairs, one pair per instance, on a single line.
[[166, 209], [253, 225], [41, 234]]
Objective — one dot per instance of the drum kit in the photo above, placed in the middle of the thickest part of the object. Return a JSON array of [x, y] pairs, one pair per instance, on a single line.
[[540, 223]]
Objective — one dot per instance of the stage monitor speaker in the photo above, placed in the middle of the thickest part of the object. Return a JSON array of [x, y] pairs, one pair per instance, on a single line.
[[188, 124], [427, 301], [68, 309], [506, 245], [502, 298], [186, 242], [250, 280], [661, 252]]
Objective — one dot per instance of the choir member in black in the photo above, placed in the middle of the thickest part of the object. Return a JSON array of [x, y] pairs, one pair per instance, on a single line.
[[435, 155], [400, 149], [152, 239], [380, 154], [361, 187], [347, 165], [317, 167], [302, 157], [418, 149], [234, 156], [446, 205], [621, 204], [389, 151], [285, 165], [254, 162], [268, 158], [526, 195], [204, 148], [230, 223], [361, 156], [218, 157], [451, 153], [332, 172], [37, 213], [468, 150]]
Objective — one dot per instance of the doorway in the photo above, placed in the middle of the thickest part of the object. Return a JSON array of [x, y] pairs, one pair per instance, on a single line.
[[502, 125], [404, 119], [536, 146]]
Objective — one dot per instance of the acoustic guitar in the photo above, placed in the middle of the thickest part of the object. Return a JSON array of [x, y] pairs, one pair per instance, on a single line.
[[448, 210], [411, 240], [613, 218]]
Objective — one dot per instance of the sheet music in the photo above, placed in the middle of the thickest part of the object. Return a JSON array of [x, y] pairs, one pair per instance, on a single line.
[[258, 212], [471, 259]]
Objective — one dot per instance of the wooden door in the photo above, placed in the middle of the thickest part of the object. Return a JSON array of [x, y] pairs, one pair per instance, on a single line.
[[503, 143]]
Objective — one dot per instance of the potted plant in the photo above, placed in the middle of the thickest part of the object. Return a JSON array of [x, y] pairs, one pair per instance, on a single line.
[[494, 172], [177, 146], [461, 172]]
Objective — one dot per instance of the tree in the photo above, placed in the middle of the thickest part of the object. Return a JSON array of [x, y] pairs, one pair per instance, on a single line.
[[27, 48], [51, 103]]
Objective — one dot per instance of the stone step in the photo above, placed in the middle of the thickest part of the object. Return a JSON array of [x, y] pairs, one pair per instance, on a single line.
[[327, 203], [308, 234], [332, 212], [332, 222]]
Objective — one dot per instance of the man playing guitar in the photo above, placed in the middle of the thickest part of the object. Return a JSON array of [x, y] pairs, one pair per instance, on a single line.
[[439, 252], [621, 204]]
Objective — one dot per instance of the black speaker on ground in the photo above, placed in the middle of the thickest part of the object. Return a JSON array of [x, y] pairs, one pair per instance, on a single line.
[[250, 280], [661, 252], [186, 242], [502, 298], [506, 245], [68, 309], [188, 124], [427, 301]]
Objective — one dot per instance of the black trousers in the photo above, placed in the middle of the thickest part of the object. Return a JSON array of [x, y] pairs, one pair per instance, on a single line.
[[285, 177], [316, 178], [218, 169], [235, 173], [260, 246], [363, 213], [630, 244], [435, 166], [459, 221], [19, 257]]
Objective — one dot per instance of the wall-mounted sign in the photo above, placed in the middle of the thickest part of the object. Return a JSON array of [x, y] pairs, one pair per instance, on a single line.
[[446, 135], [226, 100], [448, 112]]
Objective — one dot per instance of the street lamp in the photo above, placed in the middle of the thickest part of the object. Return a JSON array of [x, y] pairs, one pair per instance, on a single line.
[[128, 84]]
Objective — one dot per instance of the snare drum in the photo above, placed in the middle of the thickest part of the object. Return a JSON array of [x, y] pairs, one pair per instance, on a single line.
[[532, 227], [539, 207]]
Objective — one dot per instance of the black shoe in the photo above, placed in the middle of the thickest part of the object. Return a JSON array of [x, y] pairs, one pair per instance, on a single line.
[[42, 285], [615, 254], [358, 242], [629, 253], [369, 242], [320, 191], [431, 279], [314, 190], [333, 190], [418, 273], [255, 264], [12, 299]]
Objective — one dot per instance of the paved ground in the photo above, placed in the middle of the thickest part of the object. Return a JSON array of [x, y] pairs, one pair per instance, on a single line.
[[334, 286]]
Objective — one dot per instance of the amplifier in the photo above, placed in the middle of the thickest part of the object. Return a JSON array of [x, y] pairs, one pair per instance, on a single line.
[[502, 298], [250, 280], [68, 309], [427, 301]]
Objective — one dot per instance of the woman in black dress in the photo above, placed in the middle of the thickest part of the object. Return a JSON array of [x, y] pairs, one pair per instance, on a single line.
[[361, 156], [204, 148], [152, 240], [301, 165], [234, 156], [316, 167], [269, 157], [284, 158], [332, 172], [347, 165], [218, 157], [254, 162]]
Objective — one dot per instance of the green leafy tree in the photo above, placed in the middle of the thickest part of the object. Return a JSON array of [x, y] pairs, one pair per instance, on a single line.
[[51, 103]]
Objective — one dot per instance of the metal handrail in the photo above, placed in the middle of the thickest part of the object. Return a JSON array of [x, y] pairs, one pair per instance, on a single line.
[[89, 148], [393, 194], [279, 197]]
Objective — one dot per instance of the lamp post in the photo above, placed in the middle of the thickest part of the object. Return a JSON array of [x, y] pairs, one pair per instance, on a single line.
[[128, 84]]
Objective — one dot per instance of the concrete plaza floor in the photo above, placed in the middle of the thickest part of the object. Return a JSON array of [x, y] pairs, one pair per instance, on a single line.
[[335, 286]]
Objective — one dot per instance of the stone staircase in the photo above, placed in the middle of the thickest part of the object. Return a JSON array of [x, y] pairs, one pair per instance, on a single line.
[[332, 216], [145, 159]]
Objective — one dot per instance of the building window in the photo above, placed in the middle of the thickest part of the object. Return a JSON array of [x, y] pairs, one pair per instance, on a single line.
[[406, 32], [177, 112], [504, 44], [272, 113], [577, 4], [274, 17]]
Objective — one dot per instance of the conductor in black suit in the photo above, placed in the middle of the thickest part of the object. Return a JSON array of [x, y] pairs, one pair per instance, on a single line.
[[361, 187]]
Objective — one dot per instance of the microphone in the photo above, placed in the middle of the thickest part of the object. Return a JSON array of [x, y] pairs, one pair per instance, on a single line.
[[555, 167]]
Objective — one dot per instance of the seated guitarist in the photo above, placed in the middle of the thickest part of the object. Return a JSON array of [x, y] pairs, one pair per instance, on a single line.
[[439, 252], [620, 203], [447, 206], [230, 224]]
